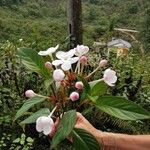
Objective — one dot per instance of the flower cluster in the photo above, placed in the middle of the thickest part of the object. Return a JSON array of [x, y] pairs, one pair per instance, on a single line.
[[66, 67]]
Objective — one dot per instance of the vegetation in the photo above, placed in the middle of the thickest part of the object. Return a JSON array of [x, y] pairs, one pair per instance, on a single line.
[[42, 22], [39, 24]]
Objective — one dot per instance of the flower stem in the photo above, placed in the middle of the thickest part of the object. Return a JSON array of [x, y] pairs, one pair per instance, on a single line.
[[82, 68], [42, 96], [79, 68], [92, 72], [76, 67], [52, 111]]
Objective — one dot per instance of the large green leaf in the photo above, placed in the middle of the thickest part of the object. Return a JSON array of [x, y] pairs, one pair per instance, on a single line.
[[121, 108], [65, 127], [33, 61], [99, 88], [36, 115], [82, 140], [28, 104]]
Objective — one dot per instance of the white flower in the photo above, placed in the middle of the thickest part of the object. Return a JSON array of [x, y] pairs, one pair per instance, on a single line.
[[49, 51], [45, 124], [81, 50], [65, 59], [58, 75], [110, 77]]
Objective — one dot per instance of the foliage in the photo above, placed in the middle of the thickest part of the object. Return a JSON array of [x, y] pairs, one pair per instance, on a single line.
[[145, 30], [39, 24], [42, 22], [94, 91]]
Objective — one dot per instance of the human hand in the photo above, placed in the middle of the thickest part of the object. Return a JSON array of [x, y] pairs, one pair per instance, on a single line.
[[82, 123]]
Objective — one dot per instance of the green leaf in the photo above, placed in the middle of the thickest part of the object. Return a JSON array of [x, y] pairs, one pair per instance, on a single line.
[[33, 61], [47, 83], [36, 115], [99, 88], [92, 83], [82, 140], [28, 104], [16, 140], [65, 127], [29, 139], [121, 108]]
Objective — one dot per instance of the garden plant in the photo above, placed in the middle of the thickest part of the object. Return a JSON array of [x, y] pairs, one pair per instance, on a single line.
[[69, 85]]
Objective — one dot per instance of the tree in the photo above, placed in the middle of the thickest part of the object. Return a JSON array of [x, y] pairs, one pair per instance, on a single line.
[[75, 22]]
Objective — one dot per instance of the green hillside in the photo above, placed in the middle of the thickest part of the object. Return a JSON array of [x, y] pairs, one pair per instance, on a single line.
[[44, 21]]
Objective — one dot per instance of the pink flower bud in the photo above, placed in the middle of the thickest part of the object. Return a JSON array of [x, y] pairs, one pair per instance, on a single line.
[[103, 63], [58, 75], [79, 85], [30, 93], [74, 96], [48, 65], [83, 59]]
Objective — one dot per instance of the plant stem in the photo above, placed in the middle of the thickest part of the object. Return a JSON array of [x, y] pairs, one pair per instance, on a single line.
[[92, 72], [52, 111]]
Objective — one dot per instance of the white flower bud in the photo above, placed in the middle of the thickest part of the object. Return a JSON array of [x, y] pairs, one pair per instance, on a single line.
[[58, 75], [30, 93], [103, 63], [48, 65]]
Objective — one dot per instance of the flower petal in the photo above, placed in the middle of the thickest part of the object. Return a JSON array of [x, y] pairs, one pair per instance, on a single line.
[[81, 50], [44, 124], [39, 125], [43, 53], [52, 49], [57, 46], [48, 125], [74, 60], [70, 53], [66, 65], [60, 54], [58, 75], [57, 62], [110, 84], [110, 77]]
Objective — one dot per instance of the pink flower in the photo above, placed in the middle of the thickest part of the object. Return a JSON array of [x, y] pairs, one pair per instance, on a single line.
[[58, 75], [30, 93], [45, 124], [74, 96], [110, 77], [103, 63], [48, 65], [83, 59], [79, 85]]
